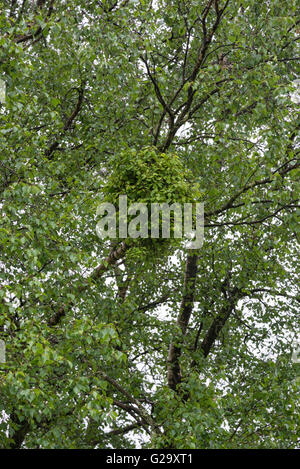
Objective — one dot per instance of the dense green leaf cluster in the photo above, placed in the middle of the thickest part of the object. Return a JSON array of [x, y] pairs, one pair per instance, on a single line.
[[149, 176]]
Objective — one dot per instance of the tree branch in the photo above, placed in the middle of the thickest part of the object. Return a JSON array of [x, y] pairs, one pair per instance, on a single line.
[[187, 303]]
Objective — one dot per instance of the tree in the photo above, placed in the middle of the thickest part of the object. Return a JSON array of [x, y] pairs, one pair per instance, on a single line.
[[112, 344]]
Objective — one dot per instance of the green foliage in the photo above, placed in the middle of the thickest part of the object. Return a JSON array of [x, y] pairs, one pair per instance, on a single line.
[[149, 176], [165, 101]]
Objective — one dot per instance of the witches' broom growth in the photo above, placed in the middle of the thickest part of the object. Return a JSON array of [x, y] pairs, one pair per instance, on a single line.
[[148, 176]]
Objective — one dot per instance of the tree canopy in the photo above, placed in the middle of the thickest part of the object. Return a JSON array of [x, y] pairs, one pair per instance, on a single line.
[[118, 345]]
